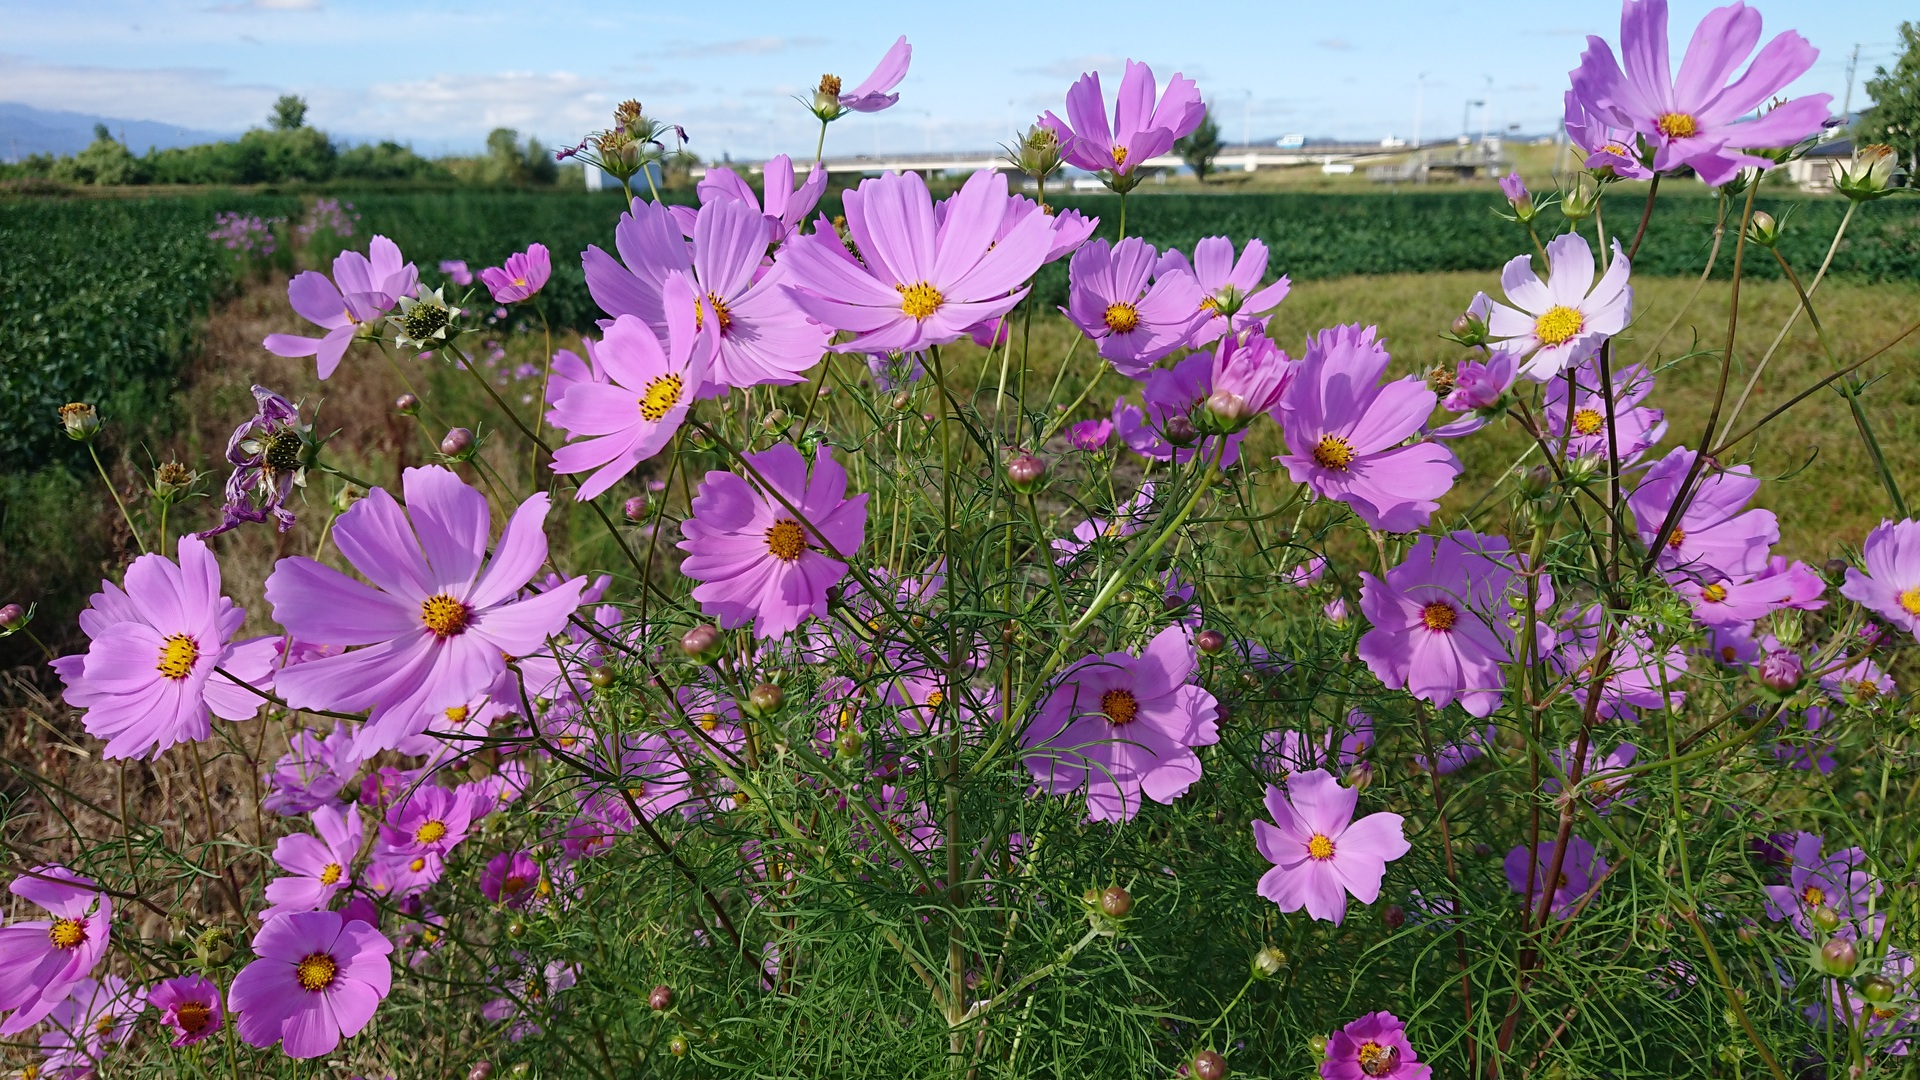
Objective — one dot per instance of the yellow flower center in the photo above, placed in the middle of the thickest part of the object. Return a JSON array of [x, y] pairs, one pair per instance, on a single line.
[[1865, 690], [1558, 325], [1910, 601], [1333, 452], [431, 832], [1119, 157], [1616, 148], [1714, 593], [660, 396], [1211, 303], [457, 714], [935, 698], [721, 316], [1120, 706], [417, 865], [177, 656], [1377, 1060], [1122, 318], [192, 1016], [920, 299], [1678, 537], [1813, 896], [316, 972], [1588, 421], [708, 721], [67, 934], [1319, 847], [1677, 125], [1439, 615], [330, 874], [444, 615], [786, 540]]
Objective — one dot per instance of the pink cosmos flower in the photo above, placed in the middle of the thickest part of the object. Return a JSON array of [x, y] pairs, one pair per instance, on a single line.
[[1440, 620], [1604, 146], [1123, 726], [614, 425], [1284, 752], [785, 208], [1090, 435], [1603, 779], [1585, 432], [1715, 537], [1180, 392], [147, 681], [1319, 853], [1890, 585], [269, 453], [871, 95], [457, 271], [98, 1015], [1374, 1047], [1858, 682], [317, 979], [361, 291], [761, 338], [1744, 599], [918, 281], [511, 878], [439, 619], [1837, 880], [431, 821], [1639, 676], [1228, 285], [318, 867], [1306, 573], [1343, 432], [1141, 129], [1697, 119], [757, 560], [190, 1005], [1127, 518], [1135, 316], [1480, 387], [42, 960], [526, 273], [532, 989], [1578, 871], [1249, 366], [1564, 319]]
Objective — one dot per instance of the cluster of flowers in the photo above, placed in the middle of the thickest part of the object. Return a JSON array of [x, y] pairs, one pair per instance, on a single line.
[[449, 638], [246, 235], [327, 216]]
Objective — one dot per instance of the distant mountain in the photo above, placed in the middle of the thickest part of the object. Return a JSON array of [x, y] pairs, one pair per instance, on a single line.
[[26, 130]]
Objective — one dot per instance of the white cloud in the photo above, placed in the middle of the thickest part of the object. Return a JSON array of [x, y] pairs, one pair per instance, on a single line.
[[555, 105], [191, 97]]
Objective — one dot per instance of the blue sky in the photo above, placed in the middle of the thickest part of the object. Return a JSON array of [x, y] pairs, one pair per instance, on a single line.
[[440, 75]]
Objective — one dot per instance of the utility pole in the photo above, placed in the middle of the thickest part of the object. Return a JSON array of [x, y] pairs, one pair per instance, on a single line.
[[1846, 109], [1419, 101]]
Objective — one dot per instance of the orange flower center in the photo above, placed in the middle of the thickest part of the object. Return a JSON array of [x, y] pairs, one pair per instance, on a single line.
[[1120, 706], [445, 616], [1319, 848], [67, 934], [1813, 895], [786, 540], [1677, 125], [192, 1016], [1558, 325], [316, 972], [1588, 421], [1333, 452], [1714, 593], [1122, 318], [1676, 538], [660, 396], [1439, 615], [177, 656], [920, 299]]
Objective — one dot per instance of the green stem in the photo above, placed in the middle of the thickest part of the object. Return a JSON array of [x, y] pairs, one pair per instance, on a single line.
[[113, 491]]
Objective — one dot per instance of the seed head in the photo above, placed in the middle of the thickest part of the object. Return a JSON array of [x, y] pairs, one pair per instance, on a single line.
[[80, 420]]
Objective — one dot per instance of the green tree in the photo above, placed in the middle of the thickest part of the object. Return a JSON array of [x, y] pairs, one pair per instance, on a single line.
[[1201, 146], [1895, 116], [289, 112], [105, 161]]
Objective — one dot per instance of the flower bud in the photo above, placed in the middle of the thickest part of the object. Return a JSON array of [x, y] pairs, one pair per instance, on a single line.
[[1360, 777], [1515, 189], [1227, 411], [677, 1046], [766, 699], [482, 1070], [1268, 962], [406, 405], [826, 99], [636, 509], [1038, 152], [1181, 432], [1781, 671], [458, 444], [661, 999], [1826, 918], [1394, 916], [1877, 988], [80, 420], [1579, 198], [1836, 570], [1869, 175], [1336, 611], [902, 401], [601, 678], [1208, 1065], [1762, 229], [213, 947], [1317, 1045], [172, 479], [702, 643], [776, 422], [1116, 902], [1838, 957], [521, 1068], [1026, 474], [517, 929], [848, 744], [12, 617], [1210, 642]]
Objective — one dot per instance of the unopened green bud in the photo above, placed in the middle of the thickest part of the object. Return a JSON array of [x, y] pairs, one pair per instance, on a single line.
[[1580, 197], [1869, 175], [1838, 957], [765, 700], [1763, 229], [1877, 988], [1268, 962], [1116, 902], [1317, 1045], [1826, 918]]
